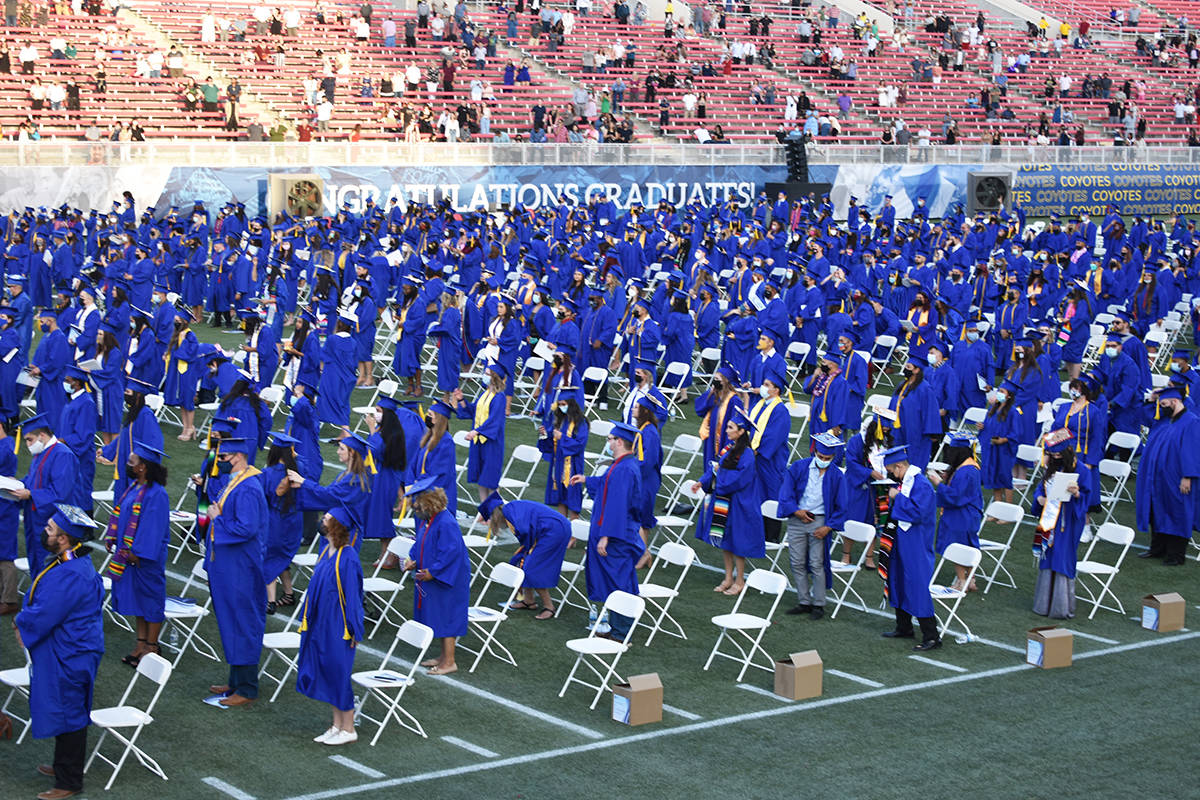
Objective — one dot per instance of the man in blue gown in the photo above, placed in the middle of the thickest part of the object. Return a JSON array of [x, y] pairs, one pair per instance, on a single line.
[[614, 544], [914, 508], [1166, 480], [50, 480], [63, 628]]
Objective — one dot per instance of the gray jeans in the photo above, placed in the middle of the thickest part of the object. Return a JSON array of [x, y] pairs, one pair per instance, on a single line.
[[807, 553]]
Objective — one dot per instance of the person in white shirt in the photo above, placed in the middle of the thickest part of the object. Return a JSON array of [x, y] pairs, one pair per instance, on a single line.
[[1064, 84], [689, 104], [56, 93], [291, 21], [28, 57], [324, 115], [58, 46], [208, 28], [155, 61], [262, 16], [437, 27], [412, 76], [362, 29]]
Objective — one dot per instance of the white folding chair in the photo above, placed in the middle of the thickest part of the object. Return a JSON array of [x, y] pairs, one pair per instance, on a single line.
[[484, 620], [1123, 440], [660, 596], [605, 652], [386, 388], [1094, 578], [1007, 514], [598, 377], [749, 627], [521, 454], [798, 411], [17, 681], [579, 533], [124, 717], [948, 597], [972, 417], [285, 646], [381, 592], [844, 574], [187, 614], [1119, 472], [388, 685], [770, 509], [1030, 454], [673, 474]]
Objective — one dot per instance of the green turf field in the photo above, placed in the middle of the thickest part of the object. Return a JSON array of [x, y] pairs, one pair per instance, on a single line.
[[976, 721]]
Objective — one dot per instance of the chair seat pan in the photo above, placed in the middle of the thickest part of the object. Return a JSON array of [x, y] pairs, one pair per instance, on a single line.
[[379, 585], [281, 640], [988, 544], [656, 591], [595, 647], [671, 471], [103, 496], [482, 614], [1095, 568], [740, 621], [571, 566], [305, 559], [475, 540], [18, 676], [839, 567], [381, 679], [945, 592], [512, 483], [673, 522], [183, 516], [120, 717], [181, 612]]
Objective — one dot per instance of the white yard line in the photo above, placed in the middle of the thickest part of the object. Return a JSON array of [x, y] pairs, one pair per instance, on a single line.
[[722, 722], [679, 712], [837, 673], [1094, 637], [362, 769], [933, 662], [474, 748], [763, 692], [232, 791]]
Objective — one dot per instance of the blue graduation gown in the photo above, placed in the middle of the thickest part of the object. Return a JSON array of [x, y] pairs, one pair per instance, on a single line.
[[860, 491], [10, 510], [145, 363], [614, 493], [450, 350], [303, 425], [485, 459], [962, 507], [234, 562], [649, 450], [441, 603], [440, 462], [1172, 453], [997, 460], [831, 407], [179, 383], [63, 628], [565, 458], [337, 379], [52, 358], [379, 522], [771, 452], [347, 489], [77, 430], [918, 421], [744, 534], [110, 382], [50, 480], [144, 429], [332, 621], [971, 361], [141, 591], [912, 563], [285, 528], [544, 534], [1061, 555]]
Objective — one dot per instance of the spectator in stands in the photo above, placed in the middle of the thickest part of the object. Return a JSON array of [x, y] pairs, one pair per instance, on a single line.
[[10, 13], [262, 16], [437, 27], [324, 116], [28, 57], [362, 30], [56, 95], [37, 95], [208, 27], [389, 32], [291, 21], [210, 95], [233, 95], [365, 11]]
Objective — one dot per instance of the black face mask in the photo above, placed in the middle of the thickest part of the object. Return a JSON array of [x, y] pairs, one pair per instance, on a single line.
[[428, 422], [825, 368], [638, 379], [908, 373], [224, 467], [558, 361]]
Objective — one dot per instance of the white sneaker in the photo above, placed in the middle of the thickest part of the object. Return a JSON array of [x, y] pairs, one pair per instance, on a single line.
[[332, 730], [341, 737], [1087, 534]]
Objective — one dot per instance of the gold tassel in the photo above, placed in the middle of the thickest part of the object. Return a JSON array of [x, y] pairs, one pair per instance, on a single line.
[[215, 471], [370, 463], [17, 443]]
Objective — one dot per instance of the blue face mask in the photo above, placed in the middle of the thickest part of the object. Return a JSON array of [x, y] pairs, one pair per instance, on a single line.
[[972, 336], [822, 463]]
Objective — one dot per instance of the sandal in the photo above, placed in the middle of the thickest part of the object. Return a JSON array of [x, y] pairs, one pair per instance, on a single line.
[[133, 658], [272, 607], [521, 605], [288, 599], [545, 613]]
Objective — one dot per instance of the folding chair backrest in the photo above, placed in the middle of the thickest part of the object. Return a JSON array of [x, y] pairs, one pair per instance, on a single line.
[[974, 415], [580, 529], [595, 375], [507, 575], [1123, 440], [1005, 512], [799, 410], [962, 555], [859, 532], [1111, 468], [197, 576], [271, 395], [708, 354], [770, 508], [686, 442], [154, 667], [1029, 452], [154, 402], [677, 368], [412, 633], [677, 553], [527, 453], [1111, 532], [400, 546], [766, 581], [625, 604], [601, 428]]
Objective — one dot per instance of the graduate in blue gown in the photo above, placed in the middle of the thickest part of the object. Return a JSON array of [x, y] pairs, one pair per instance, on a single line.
[[302, 352], [77, 428], [50, 361], [731, 517], [109, 379], [1087, 421], [140, 425], [182, 372], [1060, 528], [959, 496], [49, 480], [138, 536], [332, 623], [441, 571], [714, 408], [543, 535], [1167, 475], [449, 333], [910, 569], [351, 488], [861, 475], [485, 459], [62, 627], [648, 448], [854, 371], [10, 524], [435, 454], [831, 406], [772, 425], [285, 526], [387, 449], [917, 422], [233, 559], [338, 372], [614, 545], [253, 416], [563, 445], [998, 442]]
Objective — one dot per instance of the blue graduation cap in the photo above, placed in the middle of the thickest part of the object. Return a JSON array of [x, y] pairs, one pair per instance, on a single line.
[[960, 439], [489, 504], [224, 425], [73, 521], [651, 402], [355, 443], [1112, 338], [438, 407], [388, 403], [918, 361], [1172, 393], [728, 372], [623, 431], [16, 279], [827, 443], [38, 422], [895, 455], [148, 453], [183, 314], [140, 386], [282, 439], [78, 374], [499, 369], [48, 312], [1182, 354], [421, 485], [738, 417], [776, 374], [345, 515]]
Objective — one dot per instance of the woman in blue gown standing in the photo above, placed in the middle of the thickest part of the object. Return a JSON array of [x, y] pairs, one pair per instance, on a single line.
[[338, 373], [110, 381], [332, 623], [1060, 528], [485, 459], [441, 570], [998, 442], [388, 461], [138, 537], [959, 496], [543, 534], [77, 430], [731, 518], [351, 488], [285, 528], [182, 375], [435, 455], [562, 448]]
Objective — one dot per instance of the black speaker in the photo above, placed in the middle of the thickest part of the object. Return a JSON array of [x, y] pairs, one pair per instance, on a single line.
[[987, 190], [797, 161]]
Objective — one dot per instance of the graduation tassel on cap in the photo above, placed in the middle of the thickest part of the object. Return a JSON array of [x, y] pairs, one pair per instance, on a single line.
[[216, 468], [17, 443]]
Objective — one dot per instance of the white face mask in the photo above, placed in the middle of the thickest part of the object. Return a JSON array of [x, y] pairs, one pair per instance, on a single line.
[[764, 392], [1176, 367], [1001, 397], [37, 447], [1074, 393], [68, 388], [972, 336], [562, 407], [934, 359], [822, 463], [1111, 352]]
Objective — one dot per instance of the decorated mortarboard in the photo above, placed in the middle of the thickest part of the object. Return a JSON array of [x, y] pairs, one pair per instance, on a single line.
[[827, 442], [74, 521], [345, 515], [421, 485], [896, 454], [917, 361], [347, 315], [960, 439], [738, 417], [16, 279], [282, 439], [651, 402], [489, 504], [385, 402], [148, 452], [1058, 440]]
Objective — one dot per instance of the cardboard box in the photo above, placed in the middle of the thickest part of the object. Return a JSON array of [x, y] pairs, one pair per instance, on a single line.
[[1163, 612], [798, 676], [1049, 647], [639, 701]]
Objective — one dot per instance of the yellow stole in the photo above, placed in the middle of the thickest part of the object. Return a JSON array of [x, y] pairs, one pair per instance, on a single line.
[[482, 408], [62, 559], [760, 416], [248, 472]]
